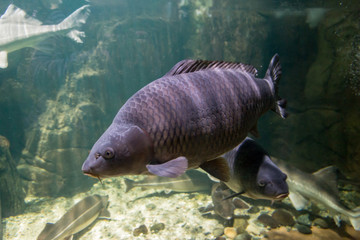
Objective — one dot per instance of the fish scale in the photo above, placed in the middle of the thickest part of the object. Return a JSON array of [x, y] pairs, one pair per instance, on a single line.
[[186, 119]]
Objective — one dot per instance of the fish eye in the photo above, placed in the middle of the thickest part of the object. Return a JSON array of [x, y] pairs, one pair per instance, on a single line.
[[108, 153], [262, 183]]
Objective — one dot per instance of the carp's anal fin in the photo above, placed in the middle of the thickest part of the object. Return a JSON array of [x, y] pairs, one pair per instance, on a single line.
[[297, 200], [217, 168], [173, 168], [3, 59]]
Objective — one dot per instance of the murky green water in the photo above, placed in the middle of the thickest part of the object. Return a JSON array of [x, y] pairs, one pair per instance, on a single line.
[[63, 81]]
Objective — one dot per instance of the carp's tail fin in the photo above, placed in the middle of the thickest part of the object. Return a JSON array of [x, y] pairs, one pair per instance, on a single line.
[[74, 20], [273, 75]]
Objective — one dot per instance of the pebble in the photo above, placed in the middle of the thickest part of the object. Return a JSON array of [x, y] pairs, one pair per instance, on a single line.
[[243, 236], [151, 206], [304, 219], [303, 229], [220, 238], [230, 232], [240, 224], [254, 209], [283, 217], [252, 229], [142, 229], [267, 220], [157, 227], [217, 232], [321, 223]]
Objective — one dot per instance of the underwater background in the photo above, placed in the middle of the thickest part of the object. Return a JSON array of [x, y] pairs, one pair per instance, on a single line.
[[57, 99]]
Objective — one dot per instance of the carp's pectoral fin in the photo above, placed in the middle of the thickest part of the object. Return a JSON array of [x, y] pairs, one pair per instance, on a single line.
[[297, 200], [217, 168], [173, 168], [3, 59]]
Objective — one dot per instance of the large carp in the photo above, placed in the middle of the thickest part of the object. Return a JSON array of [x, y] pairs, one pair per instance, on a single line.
[[186, 119]]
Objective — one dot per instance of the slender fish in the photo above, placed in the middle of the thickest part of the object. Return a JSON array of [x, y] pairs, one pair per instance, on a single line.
[[319, 187], [77, 218], [191, 181], [19, 30], [186, 119]]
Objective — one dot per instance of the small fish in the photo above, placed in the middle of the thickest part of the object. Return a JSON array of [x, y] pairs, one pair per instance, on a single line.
[[18, 30], [186, 119], [254, 174], [319, 187], [221, 204], [77, 218], [190, 181]]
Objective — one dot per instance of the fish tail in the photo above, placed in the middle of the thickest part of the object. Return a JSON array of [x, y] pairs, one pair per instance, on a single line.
[[129, 184], [76, 19], [273, 75]]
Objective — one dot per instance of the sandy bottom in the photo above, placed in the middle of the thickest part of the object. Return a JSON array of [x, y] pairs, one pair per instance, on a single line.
[[179, 212]]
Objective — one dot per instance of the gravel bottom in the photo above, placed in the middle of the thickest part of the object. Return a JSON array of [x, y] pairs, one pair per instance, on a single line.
[[177, 211]]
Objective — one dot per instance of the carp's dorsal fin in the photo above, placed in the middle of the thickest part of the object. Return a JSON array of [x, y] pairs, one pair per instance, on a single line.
[[14, 14], [189, 65], [328, 175], [218, 168]]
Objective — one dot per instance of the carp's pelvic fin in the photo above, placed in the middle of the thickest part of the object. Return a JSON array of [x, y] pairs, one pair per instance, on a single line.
[[217, 168]]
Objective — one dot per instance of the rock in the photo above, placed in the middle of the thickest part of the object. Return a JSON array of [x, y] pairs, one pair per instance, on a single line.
[[12, 194], [283, 217], [240, 224], [142, 229], [230, 232], [321, 223], [217, 232], [243, 236], [268, 221], [157, 227], [304, 219], [303, 229]]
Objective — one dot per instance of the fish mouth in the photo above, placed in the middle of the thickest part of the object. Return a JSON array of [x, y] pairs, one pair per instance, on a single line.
[[281, 196], [92, 175]]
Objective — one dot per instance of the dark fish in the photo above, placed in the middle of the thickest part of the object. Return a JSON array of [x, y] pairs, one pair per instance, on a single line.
[[77, 218], [319, 187], [186, 119], [254, 174], [191, 181]]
